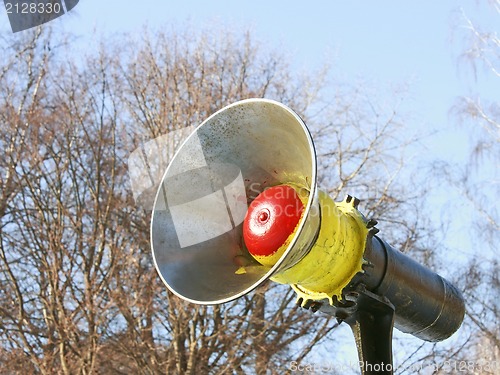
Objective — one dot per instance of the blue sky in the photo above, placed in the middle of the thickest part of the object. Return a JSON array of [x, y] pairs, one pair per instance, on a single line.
[[387, 42]]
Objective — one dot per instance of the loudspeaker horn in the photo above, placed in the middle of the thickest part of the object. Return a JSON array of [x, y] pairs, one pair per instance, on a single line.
[[233, 156], [332, 259]]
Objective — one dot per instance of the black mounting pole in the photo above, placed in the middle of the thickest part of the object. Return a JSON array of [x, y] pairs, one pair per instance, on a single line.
[[371, 318], [372, 323]]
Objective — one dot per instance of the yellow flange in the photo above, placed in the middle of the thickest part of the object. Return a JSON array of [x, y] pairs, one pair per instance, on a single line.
[[335, 258]]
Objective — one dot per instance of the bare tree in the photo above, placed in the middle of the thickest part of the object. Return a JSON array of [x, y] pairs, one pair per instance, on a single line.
[[79, 293], [476, 181]]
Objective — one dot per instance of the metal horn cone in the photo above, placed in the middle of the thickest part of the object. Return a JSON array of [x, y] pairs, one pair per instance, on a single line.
[[196, 228]]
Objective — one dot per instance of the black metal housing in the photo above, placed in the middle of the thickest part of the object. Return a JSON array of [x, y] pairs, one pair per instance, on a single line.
[[426, 305]]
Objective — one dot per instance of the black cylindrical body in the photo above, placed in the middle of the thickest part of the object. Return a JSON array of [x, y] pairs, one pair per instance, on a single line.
[[426, 305]]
